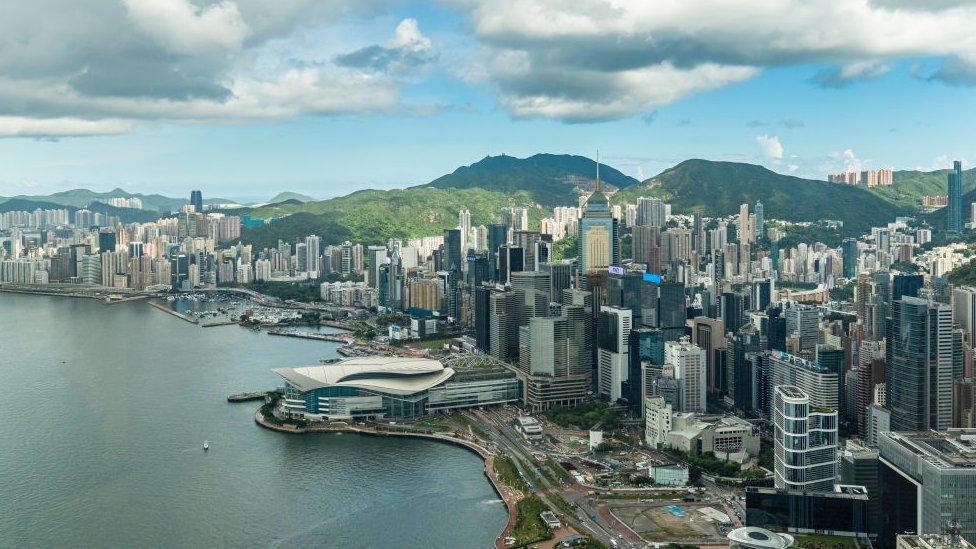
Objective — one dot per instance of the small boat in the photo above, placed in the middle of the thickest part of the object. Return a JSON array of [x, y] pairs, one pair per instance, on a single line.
[[206, 445]]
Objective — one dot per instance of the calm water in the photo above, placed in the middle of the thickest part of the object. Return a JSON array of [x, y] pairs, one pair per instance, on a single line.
[[103, 410]]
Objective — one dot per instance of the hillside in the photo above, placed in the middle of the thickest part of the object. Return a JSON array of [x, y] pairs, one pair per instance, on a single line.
[[373, 217], [80, 198], [550, 179], [910, 186], [288, 195], [718, 188], [127, 215]]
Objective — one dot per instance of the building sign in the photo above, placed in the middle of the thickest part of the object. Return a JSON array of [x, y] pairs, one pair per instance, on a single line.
[[652, 278], [614, 270]]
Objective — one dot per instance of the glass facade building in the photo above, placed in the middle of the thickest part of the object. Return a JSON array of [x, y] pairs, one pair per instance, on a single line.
[[805, 442]]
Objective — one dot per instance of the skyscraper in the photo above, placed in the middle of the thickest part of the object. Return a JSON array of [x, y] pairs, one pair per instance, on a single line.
[[598, 239], [690, 365], [196, 200], [613, 352], [954, 206], [849, 255], [760, 222], [919, 378], [805, 442]]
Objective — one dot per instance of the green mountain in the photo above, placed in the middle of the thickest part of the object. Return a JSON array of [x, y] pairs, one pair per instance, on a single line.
[[127, 215], [910, 186], [374, 217], [551, 179], [288, 195], [718, 188], [80, 198]]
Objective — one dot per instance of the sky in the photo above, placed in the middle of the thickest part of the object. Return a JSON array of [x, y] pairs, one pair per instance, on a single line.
[[246, 98]]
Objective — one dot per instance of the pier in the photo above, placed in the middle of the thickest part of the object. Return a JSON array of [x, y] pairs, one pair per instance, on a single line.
[[246, 397], [168, 310], [332, 338]]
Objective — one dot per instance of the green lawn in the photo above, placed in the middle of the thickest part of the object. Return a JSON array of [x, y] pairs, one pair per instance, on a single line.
[[822, 541], [529, 527]]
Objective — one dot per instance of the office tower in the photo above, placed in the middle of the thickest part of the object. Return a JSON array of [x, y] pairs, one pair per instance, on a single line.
[[624, 291], [819, 384], [613, 362], [672, 312], [651, 212], [196, 200], [646, 349], [831, 358], [964, 310], [542, 346], [657, 421], [762, 294], [964, 403], [709, 334], [760, 222], [479, 269], [482, 318], [106, 240], [859, 467], [452, 250], [377, 257], [533, 246], [905, 285], [732, 309], [505, 308], [928, 479], [179, 271], [511, 259], [497, 237], [869, 373], [954, 207], [597, 244], [804, 322], [849, 255], [690, 366], [919, 378], [776, 330], [804, 440], [560, 278]]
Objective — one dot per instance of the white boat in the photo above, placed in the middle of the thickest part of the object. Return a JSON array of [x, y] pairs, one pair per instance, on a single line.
[[206, 445]]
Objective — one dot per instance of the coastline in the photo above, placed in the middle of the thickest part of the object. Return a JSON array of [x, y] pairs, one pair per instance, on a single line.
[[508, 496]]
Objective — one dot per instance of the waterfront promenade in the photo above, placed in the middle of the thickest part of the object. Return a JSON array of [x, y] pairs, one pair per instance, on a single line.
[[509, 496]]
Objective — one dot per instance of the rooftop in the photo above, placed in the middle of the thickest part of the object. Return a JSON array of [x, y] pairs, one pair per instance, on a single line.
[[955, 448], [395, 375]]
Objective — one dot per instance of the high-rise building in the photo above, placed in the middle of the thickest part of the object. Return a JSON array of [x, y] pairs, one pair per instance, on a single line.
[[919, 377], [760, 221], [690, 365], [964, 311], [804, 441], [196, 200], [849, 255], [651, 212], [106, 240], [597, 243], [928, 479], [818, 383], [954, 208], [613, 356], [377, 256]]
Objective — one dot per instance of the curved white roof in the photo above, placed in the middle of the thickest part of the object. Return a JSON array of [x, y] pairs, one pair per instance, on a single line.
[[759, 538], [396, 375]]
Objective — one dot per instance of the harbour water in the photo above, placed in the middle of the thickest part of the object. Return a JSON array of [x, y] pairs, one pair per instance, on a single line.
[[103, 412]]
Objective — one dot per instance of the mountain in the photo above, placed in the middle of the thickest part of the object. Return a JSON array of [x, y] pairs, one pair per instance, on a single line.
[[80, 198], [126, 215], [910, 186], [374, 217], [718, 188], [550, 179], [287, 195]]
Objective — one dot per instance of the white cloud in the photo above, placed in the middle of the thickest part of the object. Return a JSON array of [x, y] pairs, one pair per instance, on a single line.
[[611, 38], [20, 126], [770, 146], [181, 27]]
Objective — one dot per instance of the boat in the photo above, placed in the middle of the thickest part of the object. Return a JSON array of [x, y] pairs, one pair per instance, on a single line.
[[206, 445]]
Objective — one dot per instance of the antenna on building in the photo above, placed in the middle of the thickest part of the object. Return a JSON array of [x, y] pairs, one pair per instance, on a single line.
[[596, 187]]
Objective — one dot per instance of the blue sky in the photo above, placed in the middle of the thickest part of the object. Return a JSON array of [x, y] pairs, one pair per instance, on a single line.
[[399, 94]]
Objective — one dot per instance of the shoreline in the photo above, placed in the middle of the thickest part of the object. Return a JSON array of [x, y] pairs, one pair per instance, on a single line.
[[504, 493]]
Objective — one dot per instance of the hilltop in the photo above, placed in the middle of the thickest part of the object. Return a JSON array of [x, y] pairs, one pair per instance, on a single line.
[[718, 188]]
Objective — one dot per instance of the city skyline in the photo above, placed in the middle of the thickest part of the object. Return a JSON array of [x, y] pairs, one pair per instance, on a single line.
[[381, 95]]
